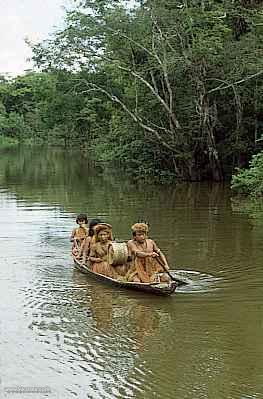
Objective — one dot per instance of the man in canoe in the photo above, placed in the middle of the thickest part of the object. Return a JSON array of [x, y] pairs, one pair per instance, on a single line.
[[147, 258], [99, 251]]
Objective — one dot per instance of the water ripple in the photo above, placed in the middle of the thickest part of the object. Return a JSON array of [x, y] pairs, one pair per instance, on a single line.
[[87, 340]]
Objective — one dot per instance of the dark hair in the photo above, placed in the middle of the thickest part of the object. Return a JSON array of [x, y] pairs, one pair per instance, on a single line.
[[82, 216], [92, 224], [134, 233]]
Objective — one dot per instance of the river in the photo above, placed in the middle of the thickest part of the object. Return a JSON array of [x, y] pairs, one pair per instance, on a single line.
[[65, 336]]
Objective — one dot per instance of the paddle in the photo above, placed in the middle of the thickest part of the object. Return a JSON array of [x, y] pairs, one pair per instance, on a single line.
[[167, 271]]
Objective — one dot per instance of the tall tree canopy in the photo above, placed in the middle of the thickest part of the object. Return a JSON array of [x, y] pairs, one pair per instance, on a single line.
[[172, 87]]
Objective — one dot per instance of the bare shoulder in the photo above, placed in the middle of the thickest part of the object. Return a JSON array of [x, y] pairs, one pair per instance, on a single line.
[[150, 241], [131, 244], [152, 244]]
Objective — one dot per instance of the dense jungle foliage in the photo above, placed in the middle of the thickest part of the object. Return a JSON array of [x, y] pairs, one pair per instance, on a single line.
[[250, 180], [173, 89]]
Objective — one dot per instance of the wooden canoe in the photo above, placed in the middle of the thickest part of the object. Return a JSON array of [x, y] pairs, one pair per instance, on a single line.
[[153, 288]]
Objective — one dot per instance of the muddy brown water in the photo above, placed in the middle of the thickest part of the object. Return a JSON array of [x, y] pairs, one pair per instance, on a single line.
[[82, 339]]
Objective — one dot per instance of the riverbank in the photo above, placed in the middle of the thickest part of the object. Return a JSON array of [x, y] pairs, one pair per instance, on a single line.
[[7, 141]]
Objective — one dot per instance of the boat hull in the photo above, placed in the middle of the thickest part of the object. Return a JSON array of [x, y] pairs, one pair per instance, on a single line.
[[164, 289]]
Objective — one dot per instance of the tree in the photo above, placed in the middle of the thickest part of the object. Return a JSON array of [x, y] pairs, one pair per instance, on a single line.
[[167, 81]]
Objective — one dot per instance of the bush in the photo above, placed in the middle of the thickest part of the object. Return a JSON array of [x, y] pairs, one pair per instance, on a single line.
[[7, 141], [250, 181]]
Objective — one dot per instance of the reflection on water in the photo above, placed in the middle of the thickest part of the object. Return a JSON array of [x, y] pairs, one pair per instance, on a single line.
[[87, 340]]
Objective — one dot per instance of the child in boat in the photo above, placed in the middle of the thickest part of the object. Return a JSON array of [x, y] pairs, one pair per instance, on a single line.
[[148, 260], [99, 251], [79, 234], [89, 241]]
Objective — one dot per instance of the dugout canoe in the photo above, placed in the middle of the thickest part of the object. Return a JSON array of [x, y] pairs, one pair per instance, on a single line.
[[152, 288]]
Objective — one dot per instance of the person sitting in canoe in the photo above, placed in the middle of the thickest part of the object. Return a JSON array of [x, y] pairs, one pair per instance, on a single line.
[[89, 241], [79, 234], [99, 251], [147, 258]]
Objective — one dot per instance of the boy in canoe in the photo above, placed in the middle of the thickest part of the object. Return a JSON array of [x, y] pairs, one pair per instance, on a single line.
[[79, 234], [147, 258], [89, 241]]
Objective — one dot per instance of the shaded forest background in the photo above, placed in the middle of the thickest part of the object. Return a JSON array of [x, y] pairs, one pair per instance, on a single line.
[[172, 89]]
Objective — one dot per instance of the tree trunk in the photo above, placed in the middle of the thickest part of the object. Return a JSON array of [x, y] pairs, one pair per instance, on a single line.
[[206, 154]]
